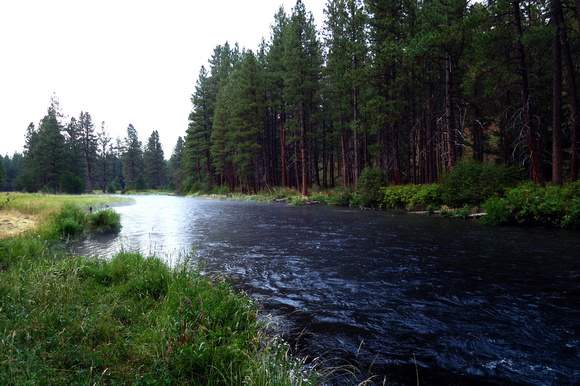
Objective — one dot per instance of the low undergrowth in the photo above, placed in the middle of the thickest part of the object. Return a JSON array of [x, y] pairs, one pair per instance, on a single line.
[[530, 204]]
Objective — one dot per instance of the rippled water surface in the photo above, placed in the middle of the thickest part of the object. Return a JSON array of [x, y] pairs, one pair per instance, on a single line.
[[400, 296]]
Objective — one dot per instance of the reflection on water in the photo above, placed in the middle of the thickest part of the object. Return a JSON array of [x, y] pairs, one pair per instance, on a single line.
[[454, 300]]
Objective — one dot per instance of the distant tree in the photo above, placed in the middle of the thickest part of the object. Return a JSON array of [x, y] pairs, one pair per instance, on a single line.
[[45, 155], [3, 176], [6, 161], [196, 159], [155, 167], [74, 147], [175, 163], [132, 157], [88, 145], [27, 179], [140, 182], [103, 159], [14, 169]]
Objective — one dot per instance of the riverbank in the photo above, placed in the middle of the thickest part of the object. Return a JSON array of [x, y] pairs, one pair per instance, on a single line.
[[131, 319]]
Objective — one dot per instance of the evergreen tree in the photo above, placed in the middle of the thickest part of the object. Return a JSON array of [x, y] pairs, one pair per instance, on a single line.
[[103, 158], [175, 163], [3, 176], [196, 157], [132, 157], [222, 146], [49, 155], [248, 118], [275, 82], [302, 59], [346, 80], [155, 167], [74, 145], [89, 146]]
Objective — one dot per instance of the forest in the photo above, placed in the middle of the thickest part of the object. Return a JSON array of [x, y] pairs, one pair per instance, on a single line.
[[411, 88]]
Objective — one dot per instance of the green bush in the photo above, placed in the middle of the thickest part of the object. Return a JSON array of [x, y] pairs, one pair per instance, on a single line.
[[398, 197], [105, 221], [370, 182], [473, 182], [340, 197], [531, 204], [71, 184], [140, 183], [113, 186], [69, 222], [427, 196]]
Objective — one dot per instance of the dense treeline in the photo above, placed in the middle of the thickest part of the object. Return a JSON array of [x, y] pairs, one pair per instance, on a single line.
[[73, 157], [408, 87]]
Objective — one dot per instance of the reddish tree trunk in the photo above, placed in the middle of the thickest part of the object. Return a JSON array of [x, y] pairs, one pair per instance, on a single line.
[[535, 165]]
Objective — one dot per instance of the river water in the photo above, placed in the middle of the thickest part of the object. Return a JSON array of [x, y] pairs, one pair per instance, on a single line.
[[397, 296]]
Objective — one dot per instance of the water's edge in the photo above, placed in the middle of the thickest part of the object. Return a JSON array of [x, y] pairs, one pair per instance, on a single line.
[[396, 294]]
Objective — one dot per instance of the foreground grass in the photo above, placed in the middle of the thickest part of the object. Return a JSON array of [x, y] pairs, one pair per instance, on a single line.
[[70, 319]]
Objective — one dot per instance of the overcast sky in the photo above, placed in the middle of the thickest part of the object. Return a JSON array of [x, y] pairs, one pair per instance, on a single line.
[[123, 61]]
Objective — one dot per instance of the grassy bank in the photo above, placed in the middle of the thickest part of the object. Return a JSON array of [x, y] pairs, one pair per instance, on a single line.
[[134, 320], [497, 194]]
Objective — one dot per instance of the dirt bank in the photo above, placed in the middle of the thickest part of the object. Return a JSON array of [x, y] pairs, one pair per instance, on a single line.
[[13, 223]]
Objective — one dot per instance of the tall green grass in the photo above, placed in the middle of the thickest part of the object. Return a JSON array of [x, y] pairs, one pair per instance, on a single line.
[[132, 320], [127, 320]]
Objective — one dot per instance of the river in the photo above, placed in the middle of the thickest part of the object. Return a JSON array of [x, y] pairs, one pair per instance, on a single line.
[[398, 296]]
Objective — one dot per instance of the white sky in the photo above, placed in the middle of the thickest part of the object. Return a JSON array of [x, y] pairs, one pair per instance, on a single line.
[[123, 61]]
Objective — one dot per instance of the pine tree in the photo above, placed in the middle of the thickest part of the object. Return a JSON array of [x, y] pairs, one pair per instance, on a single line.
[[49, 154], [175, 163], [3, 175], [103, 158], [302, 59], [89, 146], [196, 157], [155, 167], [248, 120], [132, 157], [347, 69]]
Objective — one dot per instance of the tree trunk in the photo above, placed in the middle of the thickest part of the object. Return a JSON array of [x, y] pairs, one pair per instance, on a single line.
[[449, 121], [571, 75], [556, 101], [535, 165], [303, 149], [283, 147], [344, 160]]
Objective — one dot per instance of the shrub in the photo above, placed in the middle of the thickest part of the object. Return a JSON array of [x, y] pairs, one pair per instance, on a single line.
[[105, 221], [340, 197], [370, 182], [398, 197], [427, 196], [140, 183], [113, 186], [71, 184], [531, 204], [473, 182], [497, 212], [69, 222]]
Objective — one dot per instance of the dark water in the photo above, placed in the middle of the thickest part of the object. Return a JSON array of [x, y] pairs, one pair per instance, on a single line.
[[399, 296]]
